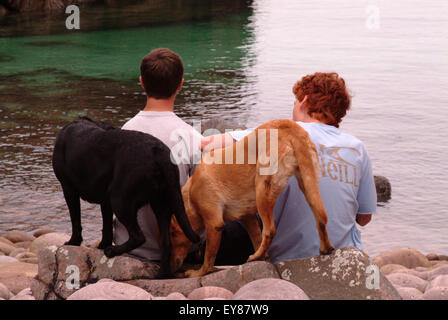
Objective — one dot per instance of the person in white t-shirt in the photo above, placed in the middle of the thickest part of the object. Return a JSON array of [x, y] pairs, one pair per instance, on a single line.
[[162, 78], [347, 185]]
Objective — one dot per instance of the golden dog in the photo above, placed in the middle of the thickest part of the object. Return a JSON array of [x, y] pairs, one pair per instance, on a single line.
[[219, 191]]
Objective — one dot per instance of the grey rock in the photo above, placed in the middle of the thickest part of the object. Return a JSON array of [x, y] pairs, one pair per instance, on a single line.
[[210, 292], [47, 265], [234, 278], [383, 188], [165, 287], [270, 289], [346, 274]]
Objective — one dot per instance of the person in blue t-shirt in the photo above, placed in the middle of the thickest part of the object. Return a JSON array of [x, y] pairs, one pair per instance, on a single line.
[[347, 185]]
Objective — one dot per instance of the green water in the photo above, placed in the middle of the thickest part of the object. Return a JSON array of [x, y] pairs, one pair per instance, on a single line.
[[50, 76]]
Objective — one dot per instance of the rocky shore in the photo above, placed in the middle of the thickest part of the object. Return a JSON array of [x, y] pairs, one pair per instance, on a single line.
[[39, 267]]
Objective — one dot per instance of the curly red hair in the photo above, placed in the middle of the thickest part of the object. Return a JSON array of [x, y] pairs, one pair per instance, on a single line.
[[328, 98]]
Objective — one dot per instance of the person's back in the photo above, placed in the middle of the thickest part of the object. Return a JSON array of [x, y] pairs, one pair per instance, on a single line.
[[161, 77]]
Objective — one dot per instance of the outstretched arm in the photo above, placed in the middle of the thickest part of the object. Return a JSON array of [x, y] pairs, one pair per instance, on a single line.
[[217, 141]]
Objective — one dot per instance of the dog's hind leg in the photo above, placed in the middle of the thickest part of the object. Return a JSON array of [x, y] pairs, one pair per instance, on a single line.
[[127, 215], [163, 222], [252, 226], [74, 207], [107, 214], [214, 224]]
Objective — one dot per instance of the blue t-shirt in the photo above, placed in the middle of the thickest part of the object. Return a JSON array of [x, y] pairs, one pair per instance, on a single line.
[[347, 187]]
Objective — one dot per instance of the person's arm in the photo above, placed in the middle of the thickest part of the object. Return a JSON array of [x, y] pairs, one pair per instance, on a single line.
[[363, 219], [216, 141], [366, 193]]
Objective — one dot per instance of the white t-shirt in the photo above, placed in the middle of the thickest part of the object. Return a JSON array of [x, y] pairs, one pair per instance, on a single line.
[[347, 187], [184, 142]]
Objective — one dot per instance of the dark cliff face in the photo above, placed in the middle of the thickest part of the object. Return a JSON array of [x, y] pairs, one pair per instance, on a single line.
[[48, 5]]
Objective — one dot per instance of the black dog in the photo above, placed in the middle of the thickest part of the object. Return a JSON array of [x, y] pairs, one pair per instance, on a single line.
[[122, 170]]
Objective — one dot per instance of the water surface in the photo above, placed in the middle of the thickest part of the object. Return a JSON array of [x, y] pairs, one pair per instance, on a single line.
[[241, 60]]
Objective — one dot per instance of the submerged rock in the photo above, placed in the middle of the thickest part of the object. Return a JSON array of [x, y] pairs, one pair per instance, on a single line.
[[383, 188]]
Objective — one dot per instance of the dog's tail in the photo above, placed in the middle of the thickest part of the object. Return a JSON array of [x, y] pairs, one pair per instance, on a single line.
[[308, 178], [308, 165], [181, 217]]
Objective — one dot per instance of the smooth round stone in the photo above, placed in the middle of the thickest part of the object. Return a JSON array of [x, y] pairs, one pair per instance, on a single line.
[[436, 293], [175, 296], [110, 290], [40, 232], [421, 274], [4, 292], [439, 281], [390, 268], [437, 272], [443, 257], [24, 244], [270, 289], [407, 280], [16, 251], [6, 248], [4, 240], [407, 257], [23, 298], [432, 256], [56, 238], [410, 293], [18, 236], [7, 259], [210, 291]]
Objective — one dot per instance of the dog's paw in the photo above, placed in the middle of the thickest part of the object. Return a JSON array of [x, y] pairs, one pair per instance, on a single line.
[[103, 245], [194, 273], [73, 243], [327, 251], [110, 252]]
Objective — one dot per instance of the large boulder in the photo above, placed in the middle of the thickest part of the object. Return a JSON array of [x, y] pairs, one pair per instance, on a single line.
[[66, 269], [49, 239], [17, 275], [236, 277], [406, 257], [270, 289], [346, 274], [110, 290]]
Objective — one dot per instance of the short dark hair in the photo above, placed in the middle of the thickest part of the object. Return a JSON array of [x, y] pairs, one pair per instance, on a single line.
[[162, 71]]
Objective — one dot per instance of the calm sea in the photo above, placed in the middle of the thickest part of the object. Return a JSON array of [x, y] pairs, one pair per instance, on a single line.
[[241, 60]]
